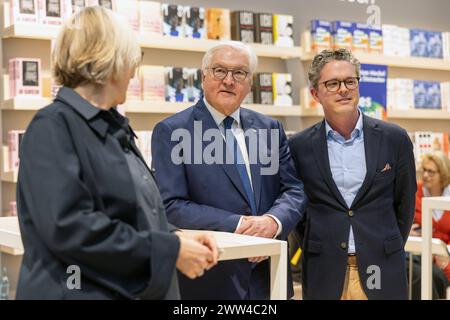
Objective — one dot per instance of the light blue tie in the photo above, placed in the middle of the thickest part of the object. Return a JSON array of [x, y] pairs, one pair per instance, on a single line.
[[238, 160]]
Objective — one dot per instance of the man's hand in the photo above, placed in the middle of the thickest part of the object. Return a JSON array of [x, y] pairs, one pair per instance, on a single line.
[[198, 252], [258, 226]]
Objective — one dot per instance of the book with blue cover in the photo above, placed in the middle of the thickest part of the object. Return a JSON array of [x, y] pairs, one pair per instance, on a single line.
[[435, 45], [433, 95], [373, 90], [420, 94], [419, 43]]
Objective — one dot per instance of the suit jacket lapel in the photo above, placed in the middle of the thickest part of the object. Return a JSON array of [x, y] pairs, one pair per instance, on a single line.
[[372, 139], [202, 114], [255, 167], [320, 148]]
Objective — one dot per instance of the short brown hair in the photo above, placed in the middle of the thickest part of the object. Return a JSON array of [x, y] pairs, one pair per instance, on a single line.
[[326, 56], [93, 45]]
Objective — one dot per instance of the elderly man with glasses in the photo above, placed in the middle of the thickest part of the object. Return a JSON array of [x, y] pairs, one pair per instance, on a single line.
[[360, 179], [217, 176]]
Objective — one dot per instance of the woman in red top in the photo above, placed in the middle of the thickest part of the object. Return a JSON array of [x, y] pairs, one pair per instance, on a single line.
[[435, 183]]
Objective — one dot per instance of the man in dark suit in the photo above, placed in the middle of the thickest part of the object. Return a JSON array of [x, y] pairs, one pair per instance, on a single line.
[[359, 176], [246, 195]]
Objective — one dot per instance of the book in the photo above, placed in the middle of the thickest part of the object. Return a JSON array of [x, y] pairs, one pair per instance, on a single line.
[[263, 28], [194, 26], [14, 141], [342, 34], [51, 12], [172, 20], [195, 90], [434, 45], [419, 43], [24, 77], [320, 35], [282, 89], [433, 95], [150, 20], [218, 24], [176, 84], [153, 83], [283, 30], [242, 26], [373, 90], [109, 4], [134, 91], [248, 98], [128, 9], [396, 41], [24, 11], [400, 94], [361, 38], [263, 90], [375, 39], [420, 94]]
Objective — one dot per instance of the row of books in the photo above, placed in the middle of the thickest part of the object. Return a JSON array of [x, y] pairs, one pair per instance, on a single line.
[[407, 94], [150, 17], [426, 142], [389, 40]]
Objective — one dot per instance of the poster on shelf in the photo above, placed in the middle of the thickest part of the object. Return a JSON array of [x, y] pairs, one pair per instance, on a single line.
[[373, 90]]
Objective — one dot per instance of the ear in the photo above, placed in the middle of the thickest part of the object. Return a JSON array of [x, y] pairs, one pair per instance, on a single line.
[[314, 94]]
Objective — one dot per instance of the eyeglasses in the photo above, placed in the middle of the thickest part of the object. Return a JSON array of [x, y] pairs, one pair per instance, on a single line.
[[221, 73], [334, 85], [430, 172]]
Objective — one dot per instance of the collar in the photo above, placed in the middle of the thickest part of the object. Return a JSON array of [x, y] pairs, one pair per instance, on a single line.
[[81, 105], [219, 117], [357, 131]]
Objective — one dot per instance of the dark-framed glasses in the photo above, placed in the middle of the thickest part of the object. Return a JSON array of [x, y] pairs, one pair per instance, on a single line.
[[334, 85], [221, 73], [430, 172]]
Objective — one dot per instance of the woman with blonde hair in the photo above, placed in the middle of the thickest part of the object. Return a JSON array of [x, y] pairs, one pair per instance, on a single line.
[[92, 221], [435, 183]]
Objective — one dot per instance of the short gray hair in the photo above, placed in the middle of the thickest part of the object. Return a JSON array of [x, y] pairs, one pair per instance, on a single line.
[[252, 58], [326, 56]]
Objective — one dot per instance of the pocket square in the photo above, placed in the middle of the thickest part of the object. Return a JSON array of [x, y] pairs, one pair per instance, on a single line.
[[387, 167]]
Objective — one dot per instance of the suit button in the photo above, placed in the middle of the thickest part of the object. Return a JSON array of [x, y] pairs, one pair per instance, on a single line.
[[351, 213], [344, 245]]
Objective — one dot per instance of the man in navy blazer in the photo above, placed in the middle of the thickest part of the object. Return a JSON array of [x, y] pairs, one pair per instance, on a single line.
[[360, 179], [202, 189]]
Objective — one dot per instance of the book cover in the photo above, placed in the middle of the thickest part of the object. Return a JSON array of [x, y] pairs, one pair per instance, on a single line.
[[195, 90], [150, 17], [263, 28], [153, 83], [419, 43], [172, 19], [282, 89], [375, 39], [25, 76], [248, 98], [434, 45], [194, 26], [23, 11], [283, 30], [433, 95], [51, 12], [218, 24], [373, 90], [109, 4], [242, 26], [420, 94], [320, 35], [134, 91], [14, 140], [263, 91], [130, 10], [177, 84], [342, 33], [361, 38]]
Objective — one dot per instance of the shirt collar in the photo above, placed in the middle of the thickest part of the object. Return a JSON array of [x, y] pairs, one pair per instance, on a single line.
[[357, 131], [219, 117], [81, 105]]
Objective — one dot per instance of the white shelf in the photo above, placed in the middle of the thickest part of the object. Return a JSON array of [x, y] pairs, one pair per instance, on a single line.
[[36, 31], [397, 62], [424, 114], [33, 104]]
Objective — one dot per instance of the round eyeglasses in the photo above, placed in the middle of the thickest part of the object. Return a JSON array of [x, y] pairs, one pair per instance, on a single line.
[[221, 73], [334, 85]]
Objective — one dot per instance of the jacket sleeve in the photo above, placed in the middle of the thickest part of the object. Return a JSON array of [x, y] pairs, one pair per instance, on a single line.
[[173, 185], [291, 203], [405, 186], [61, 208]]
